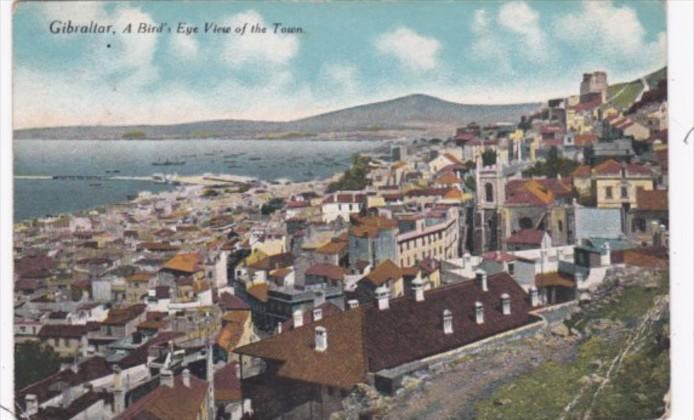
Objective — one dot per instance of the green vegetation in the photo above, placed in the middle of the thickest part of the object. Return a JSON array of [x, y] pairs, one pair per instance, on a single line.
[[204, 134], [210, 192], [289, 135], [622, 95], [470, 183], [272, 206], [635, 388], [134, 135], [33, 361], [354, 178], [552, 166]]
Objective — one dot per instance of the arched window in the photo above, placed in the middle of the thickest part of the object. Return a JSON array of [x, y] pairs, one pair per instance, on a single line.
[[525, 223], [489, 192]]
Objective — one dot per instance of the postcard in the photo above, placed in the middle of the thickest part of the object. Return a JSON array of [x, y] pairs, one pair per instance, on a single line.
[[342, 210]]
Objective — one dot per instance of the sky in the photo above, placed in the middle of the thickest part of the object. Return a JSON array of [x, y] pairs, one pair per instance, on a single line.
[[348, 53]]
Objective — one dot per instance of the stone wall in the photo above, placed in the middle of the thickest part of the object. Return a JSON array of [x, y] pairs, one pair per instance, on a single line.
[[388, 381]]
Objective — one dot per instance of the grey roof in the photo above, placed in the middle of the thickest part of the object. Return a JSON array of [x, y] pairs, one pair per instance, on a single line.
[[598, 223]]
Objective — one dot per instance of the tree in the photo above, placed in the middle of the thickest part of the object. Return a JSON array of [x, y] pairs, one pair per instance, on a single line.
[[271, 206], [33, 361], [552, 166], [354, 178]]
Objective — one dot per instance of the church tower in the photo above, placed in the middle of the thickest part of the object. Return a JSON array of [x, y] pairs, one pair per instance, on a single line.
[[490, 195]]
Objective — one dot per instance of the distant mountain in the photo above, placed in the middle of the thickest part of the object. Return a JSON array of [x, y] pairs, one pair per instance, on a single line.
[[408, 115]]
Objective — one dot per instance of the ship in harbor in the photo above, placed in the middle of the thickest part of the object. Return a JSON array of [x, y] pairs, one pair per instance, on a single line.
[[169, 162]]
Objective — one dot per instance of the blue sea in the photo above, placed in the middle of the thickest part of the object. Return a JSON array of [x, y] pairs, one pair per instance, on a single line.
[[297, 160]]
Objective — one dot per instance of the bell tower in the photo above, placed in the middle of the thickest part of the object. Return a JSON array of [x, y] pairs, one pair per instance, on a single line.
[[490, 196]]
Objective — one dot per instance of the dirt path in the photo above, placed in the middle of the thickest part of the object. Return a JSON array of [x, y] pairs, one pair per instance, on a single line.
[[453, 393]]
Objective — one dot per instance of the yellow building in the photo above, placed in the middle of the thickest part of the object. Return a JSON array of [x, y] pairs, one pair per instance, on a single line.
[[615, 184]]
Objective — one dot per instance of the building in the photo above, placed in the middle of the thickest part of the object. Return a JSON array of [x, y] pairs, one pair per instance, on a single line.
[[342, 205], [309, 370], [595, 82], [183, 396], [615, 184], [386, 277], [649, 216], [431, 234], [372, 240]]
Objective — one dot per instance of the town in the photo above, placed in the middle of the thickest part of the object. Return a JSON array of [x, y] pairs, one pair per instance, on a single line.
[[279, 300]]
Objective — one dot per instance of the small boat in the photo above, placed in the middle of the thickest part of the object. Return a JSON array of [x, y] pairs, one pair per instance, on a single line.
[[168, 162], [95, 185]]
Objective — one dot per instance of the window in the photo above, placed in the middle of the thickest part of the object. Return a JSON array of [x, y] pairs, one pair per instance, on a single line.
[[510, 268], [560, 225], [525, 223], [489, 192], [638, 225], [625, 192], [608, 192]]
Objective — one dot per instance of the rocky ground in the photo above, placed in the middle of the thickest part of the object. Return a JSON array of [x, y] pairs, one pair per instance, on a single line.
[[609, 361]]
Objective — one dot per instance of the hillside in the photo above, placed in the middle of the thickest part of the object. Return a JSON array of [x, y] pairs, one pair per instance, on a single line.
[[408, 115], [623, 95]]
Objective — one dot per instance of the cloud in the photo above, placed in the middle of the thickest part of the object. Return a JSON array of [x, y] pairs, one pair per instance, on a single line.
[[122, 59], [413, 51], [487, 46], [610, 32], [184, 46], [522, 20], [268, 48], [339, 78]]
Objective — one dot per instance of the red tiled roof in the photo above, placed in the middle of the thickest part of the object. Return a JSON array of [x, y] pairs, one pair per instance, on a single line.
[[367, 339], [655, 200], [229, 302], [526, 237], [88, 370], [227, 386], [62, 331], [585, 139], [329, 271], [327, 308], [608, 167], [163, 402], [385, 271], [582, 171]]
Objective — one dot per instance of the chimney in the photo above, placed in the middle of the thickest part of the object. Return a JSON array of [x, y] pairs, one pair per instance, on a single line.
[[321, 339], [66, 396], [118, 391], [279, 327], [466, 259], [447, 322], [353, 303], [185, 376], [605, 258], [481, 277], [534, 298], [166, 378], [578, 276], [319, 298], [418, 287], [382, 296], [505, 304], [32, 404], [479, 313], [297, 318], [317, 314]]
